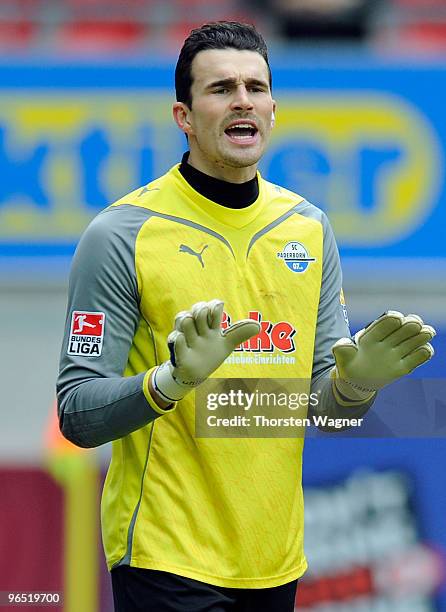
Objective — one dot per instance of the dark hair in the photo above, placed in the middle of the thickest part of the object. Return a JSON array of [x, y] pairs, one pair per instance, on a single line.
[[218, 35]]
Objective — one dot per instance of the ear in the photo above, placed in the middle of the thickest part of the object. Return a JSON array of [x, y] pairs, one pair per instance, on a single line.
[[181, 115], [273, 115]]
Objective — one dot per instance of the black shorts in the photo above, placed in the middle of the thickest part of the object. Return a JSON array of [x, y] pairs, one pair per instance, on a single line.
[[143, 590]]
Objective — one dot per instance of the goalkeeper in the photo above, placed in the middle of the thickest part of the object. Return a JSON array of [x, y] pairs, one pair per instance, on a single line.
[[168, 282]]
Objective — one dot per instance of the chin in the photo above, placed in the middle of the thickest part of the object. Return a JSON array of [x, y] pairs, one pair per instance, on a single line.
[[243, 159]]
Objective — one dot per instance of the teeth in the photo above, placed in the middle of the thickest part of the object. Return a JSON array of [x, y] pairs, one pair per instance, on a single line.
[[242, 125], [248, 131]]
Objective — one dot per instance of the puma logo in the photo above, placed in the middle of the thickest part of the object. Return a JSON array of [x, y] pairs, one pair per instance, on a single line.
[[186, 249], [146, 189]]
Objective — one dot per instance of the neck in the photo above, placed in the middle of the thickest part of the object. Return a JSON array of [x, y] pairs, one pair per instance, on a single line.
[[225, 193]]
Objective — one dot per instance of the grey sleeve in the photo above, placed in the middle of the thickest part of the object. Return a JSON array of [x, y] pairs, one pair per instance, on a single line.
[[96, 403], [332, 324]]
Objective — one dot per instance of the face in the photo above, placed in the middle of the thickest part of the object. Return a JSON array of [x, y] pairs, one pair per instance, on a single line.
[[229, 124]]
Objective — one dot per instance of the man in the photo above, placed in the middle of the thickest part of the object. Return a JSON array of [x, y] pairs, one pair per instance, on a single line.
[[190, 523]]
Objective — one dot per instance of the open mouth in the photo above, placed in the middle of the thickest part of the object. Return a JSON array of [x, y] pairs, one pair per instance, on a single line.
[[242, 133]]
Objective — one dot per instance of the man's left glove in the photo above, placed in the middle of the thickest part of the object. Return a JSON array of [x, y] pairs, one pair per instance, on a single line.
[[387, 349], [198, 346]]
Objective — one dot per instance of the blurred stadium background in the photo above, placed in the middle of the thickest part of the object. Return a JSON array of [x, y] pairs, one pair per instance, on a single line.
[[86, 88]]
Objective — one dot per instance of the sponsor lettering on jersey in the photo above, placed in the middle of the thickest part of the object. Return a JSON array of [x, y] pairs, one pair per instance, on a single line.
[[295, 256], [272, 336], [86, 333]]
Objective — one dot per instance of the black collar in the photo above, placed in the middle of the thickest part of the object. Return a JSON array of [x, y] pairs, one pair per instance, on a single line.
[[231, 195]]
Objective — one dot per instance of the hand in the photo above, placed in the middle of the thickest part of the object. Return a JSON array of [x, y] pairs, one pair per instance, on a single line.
[[387, 349], [198, 346]]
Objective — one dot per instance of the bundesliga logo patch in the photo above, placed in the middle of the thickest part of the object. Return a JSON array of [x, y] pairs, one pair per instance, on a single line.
[[86, 333]]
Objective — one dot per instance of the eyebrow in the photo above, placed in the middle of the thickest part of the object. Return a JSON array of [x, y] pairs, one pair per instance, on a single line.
[[231, 81]]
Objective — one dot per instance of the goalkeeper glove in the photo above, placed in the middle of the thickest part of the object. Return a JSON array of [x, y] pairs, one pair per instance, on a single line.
[[198, 346], [387, 349]]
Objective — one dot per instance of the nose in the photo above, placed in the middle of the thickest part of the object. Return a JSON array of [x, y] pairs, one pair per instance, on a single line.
[[241, 100]]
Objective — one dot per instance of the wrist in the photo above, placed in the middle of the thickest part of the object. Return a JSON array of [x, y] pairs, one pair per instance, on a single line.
[[156, 403], [163, 404], [347, 390], [166, 386]]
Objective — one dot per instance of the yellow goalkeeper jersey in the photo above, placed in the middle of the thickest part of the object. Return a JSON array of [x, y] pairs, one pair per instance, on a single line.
[[227, 511]]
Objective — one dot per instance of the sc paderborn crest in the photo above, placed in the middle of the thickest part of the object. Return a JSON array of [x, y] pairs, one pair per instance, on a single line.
[[296, 256]]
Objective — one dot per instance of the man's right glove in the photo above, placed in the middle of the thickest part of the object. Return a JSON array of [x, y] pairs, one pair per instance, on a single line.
[[387, 349], [198, 346]]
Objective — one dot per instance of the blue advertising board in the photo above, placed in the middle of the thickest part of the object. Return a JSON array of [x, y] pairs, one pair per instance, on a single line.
[[364, 142]]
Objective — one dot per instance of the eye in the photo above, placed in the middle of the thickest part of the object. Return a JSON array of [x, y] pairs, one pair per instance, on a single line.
[[221, 90]]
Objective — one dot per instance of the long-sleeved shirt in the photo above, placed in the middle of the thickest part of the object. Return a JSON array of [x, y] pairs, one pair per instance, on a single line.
[[224, 511]]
